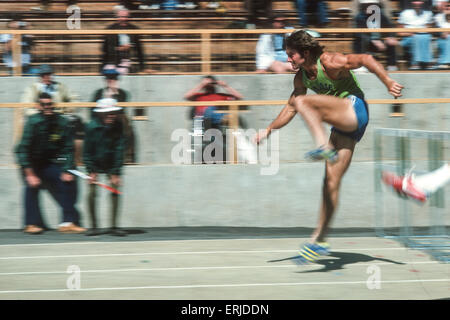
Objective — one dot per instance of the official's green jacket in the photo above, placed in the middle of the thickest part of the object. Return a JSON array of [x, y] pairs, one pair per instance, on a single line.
[[103, 147], [46, 140]]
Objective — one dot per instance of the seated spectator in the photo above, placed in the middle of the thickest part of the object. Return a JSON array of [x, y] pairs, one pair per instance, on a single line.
[[442, 20], [45, 4], [318, 9], [418, 45], [112, 90], [103, 153], [406, 4], [118, 49], [59, 93], [206, 90], [130, 4], [26, 45], [253, 7], [45, 153], [374, 42], [270, 52], [205, 117], [150, 4]]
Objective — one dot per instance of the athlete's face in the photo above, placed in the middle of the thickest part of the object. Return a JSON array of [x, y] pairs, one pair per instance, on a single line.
[[295, 58]]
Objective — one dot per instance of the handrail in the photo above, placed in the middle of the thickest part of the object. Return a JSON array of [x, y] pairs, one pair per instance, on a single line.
[[216, 31], [219, 103], [205, 37]]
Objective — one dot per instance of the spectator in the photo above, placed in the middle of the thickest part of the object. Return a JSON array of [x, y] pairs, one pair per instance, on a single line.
[[316, 8], [113, 90], [406, 4], [442, 20], [417, 45], [59, 93], [45, 4], [26, 45], [270, 51], [118, 48], [205, 117], [45, 153], [206, 90], [253, 6], [373, 42], [151, 4], [103, 153]]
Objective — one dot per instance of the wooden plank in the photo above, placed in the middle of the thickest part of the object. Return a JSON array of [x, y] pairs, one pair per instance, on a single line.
[[254, 103]]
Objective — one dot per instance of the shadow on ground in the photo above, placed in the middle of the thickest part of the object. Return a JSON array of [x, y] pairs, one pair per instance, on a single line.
[[338, 261]]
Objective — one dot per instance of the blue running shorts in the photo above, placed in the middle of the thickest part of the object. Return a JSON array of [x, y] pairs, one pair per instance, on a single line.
[[362, 114]]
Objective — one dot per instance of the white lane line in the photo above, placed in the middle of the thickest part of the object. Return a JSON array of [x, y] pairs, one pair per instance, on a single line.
[[224, 286], [184, 253], [172, 241], [207, 268]]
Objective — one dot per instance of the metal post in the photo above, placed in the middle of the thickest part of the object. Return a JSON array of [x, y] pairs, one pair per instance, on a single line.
[[403, 156], [379, 203], [435, 154]]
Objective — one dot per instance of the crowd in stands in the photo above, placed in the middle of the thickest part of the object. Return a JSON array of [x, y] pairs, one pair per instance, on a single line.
[[420, 50]]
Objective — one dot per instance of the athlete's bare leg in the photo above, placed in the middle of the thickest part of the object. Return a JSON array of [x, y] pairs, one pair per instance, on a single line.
[[332, 182], [316, 109]]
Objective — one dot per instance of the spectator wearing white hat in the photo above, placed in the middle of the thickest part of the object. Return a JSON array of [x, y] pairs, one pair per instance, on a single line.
[[103, 153], [112, 90]]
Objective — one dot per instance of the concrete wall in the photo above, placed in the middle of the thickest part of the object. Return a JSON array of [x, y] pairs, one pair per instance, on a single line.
[[159, 193]]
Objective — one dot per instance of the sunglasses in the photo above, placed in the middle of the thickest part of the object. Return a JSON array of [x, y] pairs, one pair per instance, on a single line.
[[46, 104]]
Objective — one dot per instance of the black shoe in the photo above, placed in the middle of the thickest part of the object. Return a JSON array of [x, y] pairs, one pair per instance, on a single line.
[[117, 232], [93, 232]]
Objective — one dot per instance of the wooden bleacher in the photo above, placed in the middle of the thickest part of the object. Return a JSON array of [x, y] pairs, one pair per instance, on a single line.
[[81, 54]]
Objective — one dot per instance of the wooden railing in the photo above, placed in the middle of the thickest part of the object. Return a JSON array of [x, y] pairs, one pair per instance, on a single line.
[[205, 37]]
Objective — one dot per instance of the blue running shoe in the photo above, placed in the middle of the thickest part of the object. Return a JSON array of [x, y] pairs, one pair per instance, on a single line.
[[322, 153], [310, 252]]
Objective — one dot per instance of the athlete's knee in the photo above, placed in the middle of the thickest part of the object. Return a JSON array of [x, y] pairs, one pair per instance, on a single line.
[[302, 103], [331, 183]]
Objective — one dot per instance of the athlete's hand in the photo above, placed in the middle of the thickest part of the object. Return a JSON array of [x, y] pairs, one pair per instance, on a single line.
[[260, 136], [394, 88]]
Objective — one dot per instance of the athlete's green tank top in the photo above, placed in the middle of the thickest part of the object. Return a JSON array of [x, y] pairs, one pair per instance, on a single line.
[[338, 88]]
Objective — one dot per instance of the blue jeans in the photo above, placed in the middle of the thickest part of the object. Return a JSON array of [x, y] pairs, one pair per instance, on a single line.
[[419, 46], [65, 194], [320, 10], [444, 50]]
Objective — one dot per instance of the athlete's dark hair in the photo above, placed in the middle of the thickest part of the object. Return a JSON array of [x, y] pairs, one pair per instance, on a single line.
[[301, 41]]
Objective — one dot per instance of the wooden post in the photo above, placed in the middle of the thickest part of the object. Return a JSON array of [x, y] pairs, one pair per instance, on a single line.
[[16, 49], [234, 125], [206, 53], [17, 54]]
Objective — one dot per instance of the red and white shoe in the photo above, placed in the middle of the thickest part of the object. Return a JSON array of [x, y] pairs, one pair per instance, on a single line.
[[404, 186]]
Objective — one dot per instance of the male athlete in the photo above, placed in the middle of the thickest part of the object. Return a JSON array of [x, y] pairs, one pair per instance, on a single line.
[[339, 102]]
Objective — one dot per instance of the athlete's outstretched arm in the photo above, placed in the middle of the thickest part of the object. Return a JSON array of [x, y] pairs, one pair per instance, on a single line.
[[286, 114], [355, 61]]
